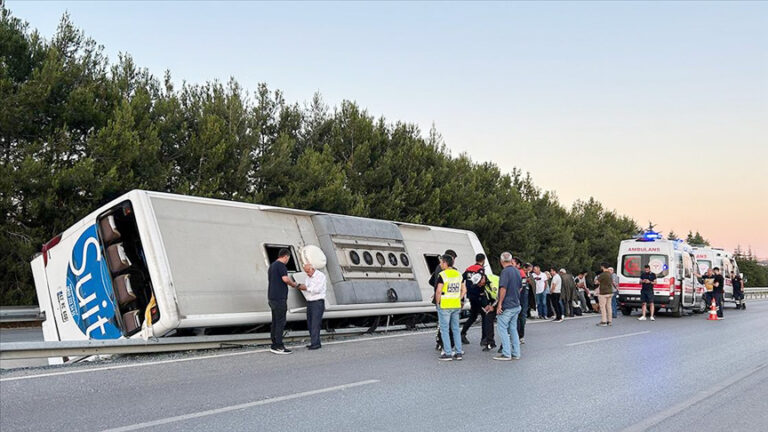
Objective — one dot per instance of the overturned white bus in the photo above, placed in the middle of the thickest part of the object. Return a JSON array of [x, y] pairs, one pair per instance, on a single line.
[[149, 263]]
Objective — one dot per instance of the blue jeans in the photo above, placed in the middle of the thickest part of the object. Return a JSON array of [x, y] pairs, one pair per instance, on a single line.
[[541, 304], [615, 303], [506, 323], [450, 318]]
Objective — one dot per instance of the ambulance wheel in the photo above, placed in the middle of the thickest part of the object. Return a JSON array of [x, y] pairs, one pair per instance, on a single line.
[[678, 312], [626, 310]]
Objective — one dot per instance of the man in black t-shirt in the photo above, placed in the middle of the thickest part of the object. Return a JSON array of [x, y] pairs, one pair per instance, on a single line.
[[647, 278], [718, 292], [277, 296]]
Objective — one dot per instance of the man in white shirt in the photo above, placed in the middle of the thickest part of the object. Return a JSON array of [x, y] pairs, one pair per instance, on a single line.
[[314, 292], [555, 287], [541, 291]]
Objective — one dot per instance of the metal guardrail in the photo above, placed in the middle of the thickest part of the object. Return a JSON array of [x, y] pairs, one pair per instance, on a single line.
[[15, 314], [761, 292], [27, 350]]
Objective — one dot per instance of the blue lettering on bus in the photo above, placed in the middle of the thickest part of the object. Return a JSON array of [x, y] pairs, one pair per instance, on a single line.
[[89, 288]]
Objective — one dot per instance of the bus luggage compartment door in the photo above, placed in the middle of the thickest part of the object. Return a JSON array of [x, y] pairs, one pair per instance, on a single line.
[[367, 260]]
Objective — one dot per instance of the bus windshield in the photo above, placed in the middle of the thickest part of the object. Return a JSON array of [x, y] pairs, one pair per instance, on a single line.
[[633, 265]]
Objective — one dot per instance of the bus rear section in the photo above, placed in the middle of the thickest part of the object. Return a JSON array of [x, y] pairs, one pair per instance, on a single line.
[[93, 281]]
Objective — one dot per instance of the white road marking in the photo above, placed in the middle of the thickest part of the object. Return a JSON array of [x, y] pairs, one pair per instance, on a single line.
[[205, 357], [607, 338], [699, 397], [239, 407]]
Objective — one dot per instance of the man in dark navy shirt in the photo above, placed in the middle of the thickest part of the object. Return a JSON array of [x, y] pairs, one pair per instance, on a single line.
[[474, 278], [647, 278], [718, 291], [277, 295]]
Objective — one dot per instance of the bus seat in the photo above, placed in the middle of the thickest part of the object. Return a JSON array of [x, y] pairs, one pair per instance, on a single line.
[[109, 232], [131, 321], [124, 290], [117, 258]]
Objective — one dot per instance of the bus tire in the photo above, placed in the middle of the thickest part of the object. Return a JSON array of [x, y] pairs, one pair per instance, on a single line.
[[626, 310]]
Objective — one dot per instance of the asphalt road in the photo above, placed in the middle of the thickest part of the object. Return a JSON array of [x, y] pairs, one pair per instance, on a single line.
[[671, 374]]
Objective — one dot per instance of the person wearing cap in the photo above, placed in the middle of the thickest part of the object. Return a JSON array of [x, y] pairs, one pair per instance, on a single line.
[[449, 295], [568, 292]]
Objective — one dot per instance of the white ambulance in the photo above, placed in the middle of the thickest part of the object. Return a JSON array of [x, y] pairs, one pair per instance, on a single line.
[[676, 288], [709, 257]]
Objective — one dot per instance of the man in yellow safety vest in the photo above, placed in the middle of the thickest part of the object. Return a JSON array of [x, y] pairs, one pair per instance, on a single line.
[[449, 296]]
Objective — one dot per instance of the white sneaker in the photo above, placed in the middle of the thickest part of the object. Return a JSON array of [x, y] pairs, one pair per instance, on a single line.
[[652, 318], [642, 318]]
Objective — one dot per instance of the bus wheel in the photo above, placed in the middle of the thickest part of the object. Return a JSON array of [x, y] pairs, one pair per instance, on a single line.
[[626, 310]]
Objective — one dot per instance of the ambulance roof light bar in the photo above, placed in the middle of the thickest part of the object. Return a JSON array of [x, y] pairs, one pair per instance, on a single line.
[[649, 236]]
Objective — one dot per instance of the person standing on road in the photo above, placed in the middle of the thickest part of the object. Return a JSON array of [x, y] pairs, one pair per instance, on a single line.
[[277, 297], [521, 317], [531, 283], [738, 290], [604, 294], [474, 279], [541, 291], [555, 288], [615, 298], [647, 278], [718, 291], [568, 295], [449, 295], [433, 283], [709, 286], [314, 292], [508, 309], [489, 301]]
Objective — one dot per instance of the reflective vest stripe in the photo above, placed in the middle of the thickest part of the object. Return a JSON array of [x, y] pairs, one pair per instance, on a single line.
[[451, 292]]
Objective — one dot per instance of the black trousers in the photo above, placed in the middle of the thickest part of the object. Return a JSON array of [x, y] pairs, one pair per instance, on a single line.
[[550, 306], [475, 310], [315, 311], [719, 303], [279, 309], [556, 304], [523, 313], [488, 336]]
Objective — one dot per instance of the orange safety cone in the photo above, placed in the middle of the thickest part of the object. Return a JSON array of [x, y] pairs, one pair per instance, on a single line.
[[712, 311]]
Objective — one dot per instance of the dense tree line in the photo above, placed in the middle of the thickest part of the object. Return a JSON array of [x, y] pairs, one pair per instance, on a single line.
[[77, 131]]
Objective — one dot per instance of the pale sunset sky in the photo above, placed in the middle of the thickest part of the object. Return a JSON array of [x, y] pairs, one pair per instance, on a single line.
[[657, 109]]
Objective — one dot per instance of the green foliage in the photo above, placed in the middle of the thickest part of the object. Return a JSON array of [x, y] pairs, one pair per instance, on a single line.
[[756, 275], [696, 239], [77, 131]]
